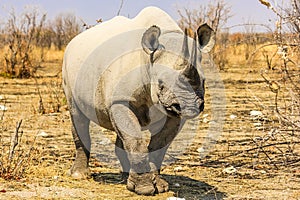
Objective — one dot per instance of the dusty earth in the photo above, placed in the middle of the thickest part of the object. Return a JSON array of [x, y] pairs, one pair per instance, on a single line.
[[234, 169]]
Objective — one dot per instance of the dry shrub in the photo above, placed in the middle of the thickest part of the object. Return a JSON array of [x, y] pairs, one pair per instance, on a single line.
[[22, 33], [26, 39], [280, 146], [17, 154]]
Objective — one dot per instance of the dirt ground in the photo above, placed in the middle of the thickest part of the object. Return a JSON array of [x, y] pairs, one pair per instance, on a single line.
[[234, 169]]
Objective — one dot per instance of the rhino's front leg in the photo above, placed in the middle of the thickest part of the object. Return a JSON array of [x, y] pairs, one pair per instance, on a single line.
[[141, 180], [159, 145]]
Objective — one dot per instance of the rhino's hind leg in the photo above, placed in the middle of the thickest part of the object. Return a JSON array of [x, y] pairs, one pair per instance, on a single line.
[[123, 158], [80, 132]]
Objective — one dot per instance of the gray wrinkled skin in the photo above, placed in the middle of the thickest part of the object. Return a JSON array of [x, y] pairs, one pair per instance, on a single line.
[[141, 78]]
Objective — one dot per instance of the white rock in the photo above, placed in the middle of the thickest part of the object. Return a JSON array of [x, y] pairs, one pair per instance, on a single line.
[[205, 115], [175, 198], [3, 108], [177, 169], [177, 185], [104, 141], [255, 113], [43, 134], [230, 170], [205, 120], [263, 171], [257, 124], [233, 116], [201, 150]]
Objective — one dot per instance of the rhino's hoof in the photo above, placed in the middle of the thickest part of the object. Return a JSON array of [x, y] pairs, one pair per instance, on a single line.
[[142, 184], [79, 173], [161, 185]]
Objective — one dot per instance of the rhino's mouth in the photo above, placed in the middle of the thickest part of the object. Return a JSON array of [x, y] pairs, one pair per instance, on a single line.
[[174, 109]]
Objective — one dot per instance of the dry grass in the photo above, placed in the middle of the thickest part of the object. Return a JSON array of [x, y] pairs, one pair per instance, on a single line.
[[255, 176]]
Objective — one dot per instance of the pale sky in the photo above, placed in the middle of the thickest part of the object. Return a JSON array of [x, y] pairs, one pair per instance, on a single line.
[[243, 11]]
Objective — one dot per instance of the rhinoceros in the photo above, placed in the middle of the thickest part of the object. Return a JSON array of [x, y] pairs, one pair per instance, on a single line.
[[140, 78]]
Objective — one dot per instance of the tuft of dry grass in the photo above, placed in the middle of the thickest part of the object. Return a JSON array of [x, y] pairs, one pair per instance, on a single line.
[[17, 155]]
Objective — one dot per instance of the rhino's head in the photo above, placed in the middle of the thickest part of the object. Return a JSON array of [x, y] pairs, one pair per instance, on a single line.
[[178, 88]]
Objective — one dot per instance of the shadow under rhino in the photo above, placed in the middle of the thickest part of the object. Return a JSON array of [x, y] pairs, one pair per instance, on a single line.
[[181, 186]]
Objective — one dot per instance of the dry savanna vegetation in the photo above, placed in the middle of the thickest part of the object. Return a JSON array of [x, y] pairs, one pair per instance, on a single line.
[[256, 154]]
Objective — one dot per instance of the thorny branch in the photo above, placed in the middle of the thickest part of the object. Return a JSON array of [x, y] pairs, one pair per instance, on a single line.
[[14, 141]]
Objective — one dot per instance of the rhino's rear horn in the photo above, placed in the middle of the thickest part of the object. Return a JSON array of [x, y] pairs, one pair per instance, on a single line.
[[190, 71], [182, 60], [185, 46], [194, 53]]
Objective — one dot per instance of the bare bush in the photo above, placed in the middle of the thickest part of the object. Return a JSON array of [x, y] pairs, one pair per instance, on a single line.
[[22, 33], [16, 157], [62, 29], [286, 38], [280, 146]]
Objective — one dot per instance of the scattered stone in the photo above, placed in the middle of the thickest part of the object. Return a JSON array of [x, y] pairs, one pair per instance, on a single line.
[[3, 108], [233, 116], [230, 170], [205, 120], [263, 171], [257, 124], [178, 169], [200, 150], [175, 198], [177, 185], [43, 134], [205, 115], [255, 113], [104, 141]]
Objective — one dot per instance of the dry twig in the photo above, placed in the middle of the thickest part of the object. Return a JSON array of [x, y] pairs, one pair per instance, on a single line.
[[14, 141]]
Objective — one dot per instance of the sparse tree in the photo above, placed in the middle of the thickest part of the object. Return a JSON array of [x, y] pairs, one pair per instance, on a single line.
[[22, 33], [284, 82], [216, 14], [64, 27]]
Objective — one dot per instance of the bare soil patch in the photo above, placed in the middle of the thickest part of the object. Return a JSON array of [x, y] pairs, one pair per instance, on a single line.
[[235, 169]]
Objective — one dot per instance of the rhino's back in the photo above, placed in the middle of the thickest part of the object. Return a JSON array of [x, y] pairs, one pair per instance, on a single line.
[[90, 54], [85, 43]]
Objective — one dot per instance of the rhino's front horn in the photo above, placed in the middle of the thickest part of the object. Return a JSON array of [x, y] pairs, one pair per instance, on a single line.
[[190, 71]]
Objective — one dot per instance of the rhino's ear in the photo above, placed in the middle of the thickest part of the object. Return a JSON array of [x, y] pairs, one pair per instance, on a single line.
[[206, 38], [150, 41]]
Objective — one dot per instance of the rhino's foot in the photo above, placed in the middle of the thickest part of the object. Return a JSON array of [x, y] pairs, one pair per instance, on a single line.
[[143, 184], [161, 185], [79, 172]]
